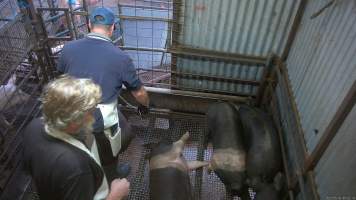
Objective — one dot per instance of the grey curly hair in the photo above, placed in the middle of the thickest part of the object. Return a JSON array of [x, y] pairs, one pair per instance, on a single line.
[[67, 99]]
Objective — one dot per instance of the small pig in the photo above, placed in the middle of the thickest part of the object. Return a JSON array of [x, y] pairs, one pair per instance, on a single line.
[[169, 178], [264, 159], [229, 157]]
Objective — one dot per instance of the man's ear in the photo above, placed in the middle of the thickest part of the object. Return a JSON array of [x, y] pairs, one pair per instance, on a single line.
[[72, 127], [112, 28]]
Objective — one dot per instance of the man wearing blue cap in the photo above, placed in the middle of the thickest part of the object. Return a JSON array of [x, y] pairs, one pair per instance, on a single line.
[[96, 57]]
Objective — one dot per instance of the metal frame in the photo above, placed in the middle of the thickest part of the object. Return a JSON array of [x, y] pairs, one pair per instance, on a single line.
[[183, 101], [297, 182]]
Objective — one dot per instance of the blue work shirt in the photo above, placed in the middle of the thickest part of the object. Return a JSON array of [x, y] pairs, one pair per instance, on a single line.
[[96, 57]]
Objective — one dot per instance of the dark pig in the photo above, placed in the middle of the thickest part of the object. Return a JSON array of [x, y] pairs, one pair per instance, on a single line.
[[264, 159], [270, 190], [229, 157], [169, 178]]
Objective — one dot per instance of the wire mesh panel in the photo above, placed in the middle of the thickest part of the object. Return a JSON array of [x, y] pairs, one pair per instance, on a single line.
[[20, 83], [8, 11], [15, 44], [146, 32]]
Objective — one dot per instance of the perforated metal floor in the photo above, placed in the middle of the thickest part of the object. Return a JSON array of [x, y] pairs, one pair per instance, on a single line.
[[152, 129]]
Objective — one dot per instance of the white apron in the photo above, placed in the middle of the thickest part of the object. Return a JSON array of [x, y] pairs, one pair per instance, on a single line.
[[110, 118], [103, 190]]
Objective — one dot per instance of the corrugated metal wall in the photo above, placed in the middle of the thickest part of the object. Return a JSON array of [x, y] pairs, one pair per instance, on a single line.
[[335, 174], [249, 27], [322, 68], [322, 64]]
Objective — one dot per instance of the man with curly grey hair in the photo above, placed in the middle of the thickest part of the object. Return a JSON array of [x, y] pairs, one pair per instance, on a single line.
[[58, 147]]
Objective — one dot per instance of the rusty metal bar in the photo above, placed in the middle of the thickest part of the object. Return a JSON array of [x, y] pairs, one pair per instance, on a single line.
[[312, 185], [332, 129], [176, 31], [126, 17], [284, 72], [193, 90], [72, 25], [266, 74], [65, 38], [183, 101], [143, 49], [217, 55], [52, 9], [160, 78], [294, 29], [277, 122], [156, 1], [216, 78], [144, 7], [121, 26], [86, 10]]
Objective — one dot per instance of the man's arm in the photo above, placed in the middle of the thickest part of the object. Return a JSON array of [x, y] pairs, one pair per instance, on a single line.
[[134, 84], [141, 96], [61, 63], [82, 187], [119, 189]]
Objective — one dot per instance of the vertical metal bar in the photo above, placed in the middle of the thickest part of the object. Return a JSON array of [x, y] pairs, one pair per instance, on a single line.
[[202, 145], [312, 185], [152, 52], [138, 55], [72, 19], [266, 74], [287, 85], [50, 5], [121, 25], [86, 9], [46, 54], [69, 24], [176, 31], [294, 29], [277, 120]]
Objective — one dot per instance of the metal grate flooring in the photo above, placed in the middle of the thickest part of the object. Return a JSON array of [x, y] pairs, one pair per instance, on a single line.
[[152, 129]]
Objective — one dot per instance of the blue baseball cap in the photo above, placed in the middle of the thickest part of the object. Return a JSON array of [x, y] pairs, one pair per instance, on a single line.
[[102, 15]]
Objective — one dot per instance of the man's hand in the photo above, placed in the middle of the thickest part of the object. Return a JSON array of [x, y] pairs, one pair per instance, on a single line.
[[119, 189], [142, 110]]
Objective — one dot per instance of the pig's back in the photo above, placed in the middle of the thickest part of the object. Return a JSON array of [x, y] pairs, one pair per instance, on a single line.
[[170, 184]]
